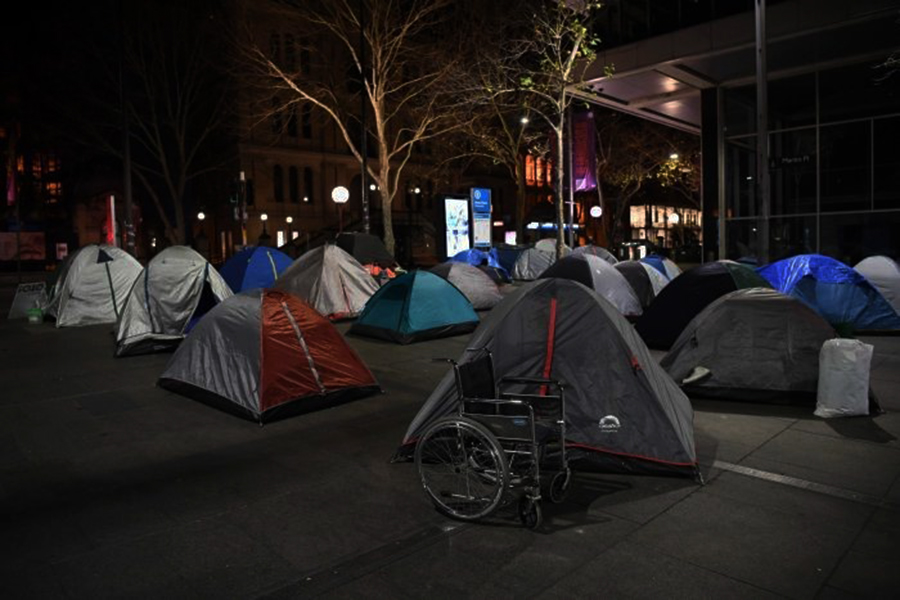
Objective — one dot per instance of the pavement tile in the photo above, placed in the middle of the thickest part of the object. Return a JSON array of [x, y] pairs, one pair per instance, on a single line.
[[883, 430], [38, 583], [637, 499], [858, 466], [750, 542], [868, 575], [634, 571]]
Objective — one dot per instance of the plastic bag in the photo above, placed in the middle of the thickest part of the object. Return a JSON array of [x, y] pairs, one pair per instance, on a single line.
[[843, 378]]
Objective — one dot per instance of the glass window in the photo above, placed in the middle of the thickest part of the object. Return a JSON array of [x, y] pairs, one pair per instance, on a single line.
[[740, 110], [278, 183], [290, 53], [852, 237], [292, 122], [846, 167], [277, 123], [306, 120], [293, 185], [308, 185], [857, 91], [792, 161], [275, 47], [740, 178], [792, 102], [887, 163], [742, 239], [790, 236]]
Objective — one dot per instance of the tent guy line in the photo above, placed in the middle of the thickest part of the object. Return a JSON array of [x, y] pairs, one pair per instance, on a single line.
[[812, 486]]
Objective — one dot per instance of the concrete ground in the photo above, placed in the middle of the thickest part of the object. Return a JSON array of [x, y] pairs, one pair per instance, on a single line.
[[111, 487]]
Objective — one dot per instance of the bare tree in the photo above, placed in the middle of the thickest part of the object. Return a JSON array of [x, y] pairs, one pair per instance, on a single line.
[[171, 96], [404, 67]]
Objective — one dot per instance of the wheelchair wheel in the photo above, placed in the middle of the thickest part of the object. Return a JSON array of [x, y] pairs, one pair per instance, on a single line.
[[530, 513], [462, 468], [559, 486]]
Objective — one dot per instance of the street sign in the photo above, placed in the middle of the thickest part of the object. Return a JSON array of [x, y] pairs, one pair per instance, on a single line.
[[481, 217]]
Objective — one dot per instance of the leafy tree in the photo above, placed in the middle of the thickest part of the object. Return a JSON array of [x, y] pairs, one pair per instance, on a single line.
[[633, 155]]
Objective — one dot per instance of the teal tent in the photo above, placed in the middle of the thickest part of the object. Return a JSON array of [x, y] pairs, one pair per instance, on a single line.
[[416, 306]]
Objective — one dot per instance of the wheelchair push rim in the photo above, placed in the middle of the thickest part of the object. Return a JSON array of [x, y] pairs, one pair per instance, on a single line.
[[462, 468]]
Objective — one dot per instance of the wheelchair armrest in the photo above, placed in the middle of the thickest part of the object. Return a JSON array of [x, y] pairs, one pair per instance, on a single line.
[[534, 380]]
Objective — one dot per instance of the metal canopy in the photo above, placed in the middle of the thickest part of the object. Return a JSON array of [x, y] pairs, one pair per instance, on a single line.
[[660, 78]]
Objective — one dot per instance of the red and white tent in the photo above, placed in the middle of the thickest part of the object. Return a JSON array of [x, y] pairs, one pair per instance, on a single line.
[[266, 354]]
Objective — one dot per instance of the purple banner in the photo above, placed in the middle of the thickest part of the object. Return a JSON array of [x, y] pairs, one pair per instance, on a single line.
[[584, 153]]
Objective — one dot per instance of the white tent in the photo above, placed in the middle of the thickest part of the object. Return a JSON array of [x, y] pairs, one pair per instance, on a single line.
[[92, 286], [175, 289], [883, 273], [331, 280]]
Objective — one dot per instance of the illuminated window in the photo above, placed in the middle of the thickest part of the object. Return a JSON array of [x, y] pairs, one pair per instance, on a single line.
[[529, 170], [540, 173]]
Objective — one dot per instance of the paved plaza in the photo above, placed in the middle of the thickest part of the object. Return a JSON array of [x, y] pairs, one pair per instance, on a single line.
[[111, 487]]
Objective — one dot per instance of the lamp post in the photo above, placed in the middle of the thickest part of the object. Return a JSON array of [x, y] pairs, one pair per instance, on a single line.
[[289, 220], [264, 236], [340, 195]]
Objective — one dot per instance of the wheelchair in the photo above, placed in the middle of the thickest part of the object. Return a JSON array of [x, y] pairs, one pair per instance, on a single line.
[[495, 449]]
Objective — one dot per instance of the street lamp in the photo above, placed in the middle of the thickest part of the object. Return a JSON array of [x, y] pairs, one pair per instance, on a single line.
[[264, 237], [340, 195], [201, 215], [673, 156]]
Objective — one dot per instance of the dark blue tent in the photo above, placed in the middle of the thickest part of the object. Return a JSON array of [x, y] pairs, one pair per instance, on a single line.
[[416, 306], [478, 258], [254, 267], [837, 292]]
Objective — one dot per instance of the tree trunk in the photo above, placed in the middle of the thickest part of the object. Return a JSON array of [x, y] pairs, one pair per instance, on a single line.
[[387, 203], [560, 191], [520, 200]]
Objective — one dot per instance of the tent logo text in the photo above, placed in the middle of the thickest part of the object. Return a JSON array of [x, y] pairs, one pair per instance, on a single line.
[[609, 424]]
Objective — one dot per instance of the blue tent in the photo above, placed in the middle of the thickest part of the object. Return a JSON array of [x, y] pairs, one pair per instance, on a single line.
[[663, 265], [838, 293], [478, 258], [254, 267], [416, 306]]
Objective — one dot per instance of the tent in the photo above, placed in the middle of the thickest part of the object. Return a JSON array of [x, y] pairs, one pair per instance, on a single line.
[[254, 267], [366, 248], [844, 297], [497, 274], [170, 295], [506, 255], [646, 281], [92, 286], [474, 283], [331, 280], [601, 277], [549, 245], [756, 343], [597, 251], [266, 354], [884, 274], [531, 263], [416, 306], [685, 296], [663, 265], [623, 412]]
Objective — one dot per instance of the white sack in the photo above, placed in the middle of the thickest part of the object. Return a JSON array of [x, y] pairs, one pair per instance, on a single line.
[[843, 378]]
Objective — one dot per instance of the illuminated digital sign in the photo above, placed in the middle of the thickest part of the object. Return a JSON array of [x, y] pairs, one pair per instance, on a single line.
[[456, 221]]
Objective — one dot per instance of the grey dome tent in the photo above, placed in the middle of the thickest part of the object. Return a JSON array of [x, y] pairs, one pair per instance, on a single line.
[[560, 329], [531, 263], [476, 285], [883, 273], [548, 245], [645, 280], [600, 276], [756, 343], [330, 280], [176, 288], [92, 286], [264, 355], [598, 251], [689, 293], [366, 248]]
